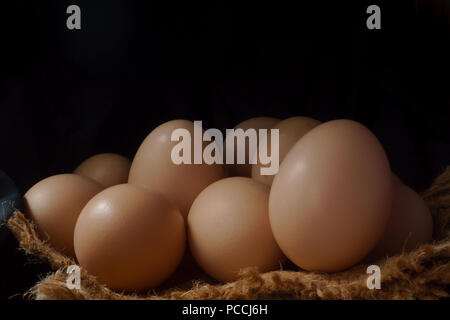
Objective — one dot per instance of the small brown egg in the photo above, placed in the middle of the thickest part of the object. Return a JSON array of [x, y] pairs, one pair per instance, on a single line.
[[153, 168], [130, 238], [245, 170], [228, 229], [109, 169], [290, 131], [55, 203], [331, 199], [410, 224]]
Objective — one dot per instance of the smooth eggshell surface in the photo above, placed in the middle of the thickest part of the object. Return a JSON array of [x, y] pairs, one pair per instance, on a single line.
[[55, 203], [130, 238], [245, 170], [109, 169], [153, 168], [228, 229], [331, 199], [290, 131], [410, 224]]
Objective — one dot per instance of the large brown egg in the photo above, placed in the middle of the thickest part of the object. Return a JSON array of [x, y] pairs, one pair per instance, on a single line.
[[245, 170], [55, 203], [410, 224], [228, 229], [290, 131], [331, 199], [109, 169], [130, 238], [154, 169]]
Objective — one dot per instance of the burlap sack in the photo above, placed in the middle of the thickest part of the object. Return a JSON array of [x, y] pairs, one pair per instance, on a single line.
[[421, 274]]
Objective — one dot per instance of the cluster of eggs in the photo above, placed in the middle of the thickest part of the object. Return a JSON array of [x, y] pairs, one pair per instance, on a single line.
[[333, 203]]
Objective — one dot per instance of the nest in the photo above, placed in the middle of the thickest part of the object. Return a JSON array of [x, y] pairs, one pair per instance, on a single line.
[[420, 274]]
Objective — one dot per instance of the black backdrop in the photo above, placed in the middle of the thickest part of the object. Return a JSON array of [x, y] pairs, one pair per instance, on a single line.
[[66, 95]]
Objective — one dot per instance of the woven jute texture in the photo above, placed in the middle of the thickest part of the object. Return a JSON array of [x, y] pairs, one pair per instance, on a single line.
[[421, 274]]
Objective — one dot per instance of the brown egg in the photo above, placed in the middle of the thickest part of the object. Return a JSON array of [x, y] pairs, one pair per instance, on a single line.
[[109, 169], [245, 170], [396, 179], [410, 224], [331, 199], [130, 238], [228, 229], [290, 131], [153, 168], [55, 203]]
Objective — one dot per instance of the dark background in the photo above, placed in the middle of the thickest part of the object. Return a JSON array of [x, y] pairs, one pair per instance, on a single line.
[[66, 95]]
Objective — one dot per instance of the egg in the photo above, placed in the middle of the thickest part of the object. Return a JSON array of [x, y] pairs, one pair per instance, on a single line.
[[396, 179], [410, 224], [290, 131], [245, 170], [108, 169], [228, 229], [54, 205], [130, 238], [331, 199], [154, 169]]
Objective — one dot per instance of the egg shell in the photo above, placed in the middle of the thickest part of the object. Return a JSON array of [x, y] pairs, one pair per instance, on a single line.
[[108, 169], [153, 168], [290, 131], [55, 203], [410, 224], [245, 170], [130, 238], [331, 199], [228, 229]]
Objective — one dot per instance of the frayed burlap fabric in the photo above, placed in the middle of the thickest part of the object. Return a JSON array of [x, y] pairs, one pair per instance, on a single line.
[[421, 274]]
